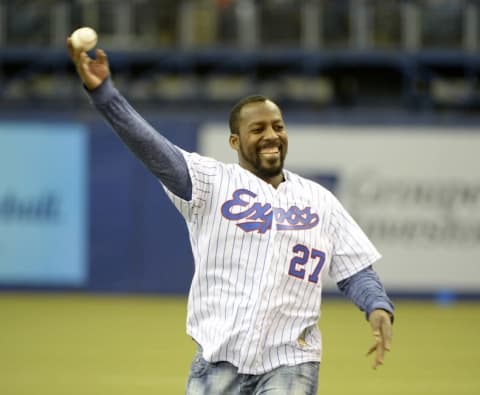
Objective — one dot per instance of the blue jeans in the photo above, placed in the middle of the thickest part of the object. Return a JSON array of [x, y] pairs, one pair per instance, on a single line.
[[221, 378]]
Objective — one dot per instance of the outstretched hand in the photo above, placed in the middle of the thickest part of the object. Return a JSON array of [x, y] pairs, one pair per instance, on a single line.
[[92, 72], [381, 324]]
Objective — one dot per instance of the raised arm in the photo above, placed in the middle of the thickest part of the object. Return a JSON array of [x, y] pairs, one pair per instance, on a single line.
[[164, 159]]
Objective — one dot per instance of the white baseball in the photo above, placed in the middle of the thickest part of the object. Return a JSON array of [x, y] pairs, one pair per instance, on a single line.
[[84, 38]]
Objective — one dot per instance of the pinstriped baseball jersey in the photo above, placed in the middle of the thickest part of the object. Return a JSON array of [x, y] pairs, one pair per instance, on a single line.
[[260, 255]]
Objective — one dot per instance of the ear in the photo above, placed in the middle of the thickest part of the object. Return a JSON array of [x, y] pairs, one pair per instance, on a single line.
[[234, 141]]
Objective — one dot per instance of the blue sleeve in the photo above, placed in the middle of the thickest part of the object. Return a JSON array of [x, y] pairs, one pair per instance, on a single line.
[[161, 157], [366, 291]]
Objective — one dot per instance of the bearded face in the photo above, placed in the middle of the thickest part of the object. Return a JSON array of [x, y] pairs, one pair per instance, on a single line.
[[262, 140]]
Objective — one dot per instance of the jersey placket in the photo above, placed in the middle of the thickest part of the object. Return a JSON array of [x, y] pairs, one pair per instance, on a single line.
[[261, 316]]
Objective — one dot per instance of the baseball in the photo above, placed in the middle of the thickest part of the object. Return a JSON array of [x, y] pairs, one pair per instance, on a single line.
[[84, 38]]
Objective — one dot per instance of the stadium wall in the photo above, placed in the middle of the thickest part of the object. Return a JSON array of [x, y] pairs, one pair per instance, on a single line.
[[79, 212]]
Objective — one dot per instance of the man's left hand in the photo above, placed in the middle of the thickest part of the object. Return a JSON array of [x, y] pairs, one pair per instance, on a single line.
[[381, 324]]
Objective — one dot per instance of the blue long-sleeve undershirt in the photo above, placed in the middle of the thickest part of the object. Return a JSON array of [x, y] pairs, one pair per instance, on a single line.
[[162, 158], [367, 292], [166, 162]]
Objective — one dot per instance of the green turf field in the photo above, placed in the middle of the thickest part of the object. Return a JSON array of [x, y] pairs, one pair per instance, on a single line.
[[88, 345]]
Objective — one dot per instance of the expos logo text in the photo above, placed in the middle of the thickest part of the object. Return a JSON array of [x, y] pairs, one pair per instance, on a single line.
[[259, 217]]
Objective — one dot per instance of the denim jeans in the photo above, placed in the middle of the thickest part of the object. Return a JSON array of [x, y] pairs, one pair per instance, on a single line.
[[221, 378]]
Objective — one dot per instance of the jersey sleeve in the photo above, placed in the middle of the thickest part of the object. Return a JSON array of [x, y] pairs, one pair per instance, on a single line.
[[352, 249], [202, 171]]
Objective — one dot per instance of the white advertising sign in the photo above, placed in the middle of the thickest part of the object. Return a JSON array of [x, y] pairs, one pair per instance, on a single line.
[[414, 190]]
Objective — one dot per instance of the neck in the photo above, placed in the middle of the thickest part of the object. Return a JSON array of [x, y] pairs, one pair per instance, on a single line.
[[274, 181]]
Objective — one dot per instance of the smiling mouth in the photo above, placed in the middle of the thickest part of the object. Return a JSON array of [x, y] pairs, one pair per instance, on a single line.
[[270, 151]]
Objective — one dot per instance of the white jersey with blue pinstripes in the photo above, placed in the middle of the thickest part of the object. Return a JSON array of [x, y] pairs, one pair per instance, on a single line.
[[260, 255]]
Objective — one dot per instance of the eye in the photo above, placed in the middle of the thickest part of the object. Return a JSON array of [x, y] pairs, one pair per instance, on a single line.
[[278, 128], [257, 130]]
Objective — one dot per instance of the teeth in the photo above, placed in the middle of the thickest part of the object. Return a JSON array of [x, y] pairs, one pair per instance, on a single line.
[[269, 151]]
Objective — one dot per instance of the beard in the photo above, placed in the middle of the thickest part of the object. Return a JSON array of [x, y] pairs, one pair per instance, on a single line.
[[274, 167]]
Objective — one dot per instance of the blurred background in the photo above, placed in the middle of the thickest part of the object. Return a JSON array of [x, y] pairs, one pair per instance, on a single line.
[[382, 104]]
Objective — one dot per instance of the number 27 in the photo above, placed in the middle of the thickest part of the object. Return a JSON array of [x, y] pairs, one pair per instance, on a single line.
[[298, 262]]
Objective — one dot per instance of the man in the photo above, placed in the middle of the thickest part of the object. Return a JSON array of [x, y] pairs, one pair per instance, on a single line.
[[262, 239]]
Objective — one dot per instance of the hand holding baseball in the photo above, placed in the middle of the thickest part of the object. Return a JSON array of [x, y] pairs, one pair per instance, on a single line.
[[381, 324], [91, 71]]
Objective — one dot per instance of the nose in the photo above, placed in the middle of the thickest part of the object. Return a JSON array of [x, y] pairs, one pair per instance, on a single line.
[[270, 134]]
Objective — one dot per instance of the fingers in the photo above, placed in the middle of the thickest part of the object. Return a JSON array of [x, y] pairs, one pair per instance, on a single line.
[[101, 57], [72, 51], [83, 67], [371, 349], [83, 64], [76, 55], [387, 334], [81, 61], [379, 356], [379, 349]]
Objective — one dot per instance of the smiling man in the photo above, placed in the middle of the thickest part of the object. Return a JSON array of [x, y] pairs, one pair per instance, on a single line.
[[263, 238], [259, 136]]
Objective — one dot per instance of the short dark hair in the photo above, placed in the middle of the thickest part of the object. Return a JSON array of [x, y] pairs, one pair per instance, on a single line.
[[237, 108]]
